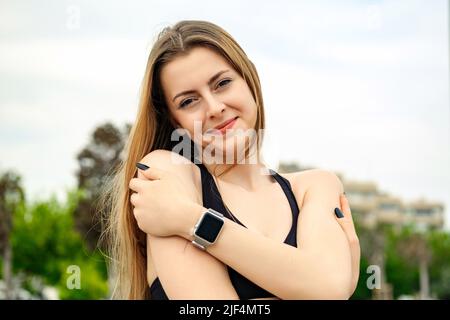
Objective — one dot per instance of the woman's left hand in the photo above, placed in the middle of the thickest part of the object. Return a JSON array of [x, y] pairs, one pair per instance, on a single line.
[[161, 202], [346, 222]]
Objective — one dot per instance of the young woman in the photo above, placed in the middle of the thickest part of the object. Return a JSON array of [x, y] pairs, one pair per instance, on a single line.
[[200, 81]]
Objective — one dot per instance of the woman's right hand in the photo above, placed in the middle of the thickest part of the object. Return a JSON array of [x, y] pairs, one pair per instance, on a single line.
[[347, 225], [161, 201]]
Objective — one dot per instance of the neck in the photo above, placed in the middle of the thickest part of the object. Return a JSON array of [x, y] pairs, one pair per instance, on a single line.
[[248, 176]]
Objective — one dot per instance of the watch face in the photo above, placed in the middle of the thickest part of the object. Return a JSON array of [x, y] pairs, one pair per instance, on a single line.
[[209, 227]]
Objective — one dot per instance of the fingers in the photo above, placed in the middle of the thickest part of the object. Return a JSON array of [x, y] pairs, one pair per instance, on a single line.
[[343, 213], [344, 218], [134, 198], [347, 222], [135, 184], [345, 206], [150, 173]]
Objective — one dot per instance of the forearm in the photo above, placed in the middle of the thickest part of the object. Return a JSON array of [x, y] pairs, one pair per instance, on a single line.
[[286, 271]]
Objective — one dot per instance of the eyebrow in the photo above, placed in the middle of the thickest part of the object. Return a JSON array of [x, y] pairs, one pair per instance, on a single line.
[[213, 78]]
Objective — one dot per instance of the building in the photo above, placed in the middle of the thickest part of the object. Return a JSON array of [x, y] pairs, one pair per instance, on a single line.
[[371, 206]]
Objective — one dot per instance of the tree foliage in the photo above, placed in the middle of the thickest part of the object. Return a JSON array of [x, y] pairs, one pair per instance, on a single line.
[[96, 162], [46, 243]]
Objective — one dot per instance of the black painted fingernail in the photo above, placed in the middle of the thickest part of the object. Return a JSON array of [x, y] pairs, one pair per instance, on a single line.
[[338, 213], [142, 166]]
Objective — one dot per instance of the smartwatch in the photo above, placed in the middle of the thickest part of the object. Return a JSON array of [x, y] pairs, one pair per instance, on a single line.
[[207, 229]]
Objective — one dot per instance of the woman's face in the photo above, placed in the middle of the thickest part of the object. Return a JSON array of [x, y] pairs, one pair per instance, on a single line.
[[202, 89]]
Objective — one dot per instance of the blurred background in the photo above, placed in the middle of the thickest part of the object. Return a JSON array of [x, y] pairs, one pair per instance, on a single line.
[[360, 88]]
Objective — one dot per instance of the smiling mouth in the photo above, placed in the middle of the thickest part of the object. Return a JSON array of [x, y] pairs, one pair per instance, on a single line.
[[222, 129]]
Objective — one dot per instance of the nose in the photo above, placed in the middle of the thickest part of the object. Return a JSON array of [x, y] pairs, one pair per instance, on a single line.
[[214, 108]]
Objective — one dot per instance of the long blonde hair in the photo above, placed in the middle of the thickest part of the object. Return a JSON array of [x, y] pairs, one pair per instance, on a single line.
[[152, 130]]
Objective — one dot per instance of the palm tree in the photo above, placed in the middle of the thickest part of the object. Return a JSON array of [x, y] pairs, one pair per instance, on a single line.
[[96, 162], [414, 248], [373, 243], [11, 195]]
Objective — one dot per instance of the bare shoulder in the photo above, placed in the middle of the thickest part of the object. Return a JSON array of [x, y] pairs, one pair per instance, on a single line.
[[171, 161], [312, 179], [298, 182], [319, 178], [185, 169], [167, 159]]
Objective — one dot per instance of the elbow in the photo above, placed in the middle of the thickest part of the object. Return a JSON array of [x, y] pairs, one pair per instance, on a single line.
[[331, 287], [342, 293], [337, 288]]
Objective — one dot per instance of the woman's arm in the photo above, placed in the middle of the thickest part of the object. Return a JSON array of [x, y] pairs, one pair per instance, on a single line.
[[318, 269], [184, 271], [346, 223], [188, 273]]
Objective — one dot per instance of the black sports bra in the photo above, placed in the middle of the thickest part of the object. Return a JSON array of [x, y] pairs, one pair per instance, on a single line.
[[212, 199]]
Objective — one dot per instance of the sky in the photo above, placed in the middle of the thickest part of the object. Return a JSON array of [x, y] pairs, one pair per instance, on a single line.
[[355, 87]]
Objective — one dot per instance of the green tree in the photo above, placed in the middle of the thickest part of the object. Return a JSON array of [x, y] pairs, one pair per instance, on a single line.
[[11, 197], [96, 162], [404, 251], [46, 244], [403, 275], [439, 242], [373, 245], [414, 248]]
